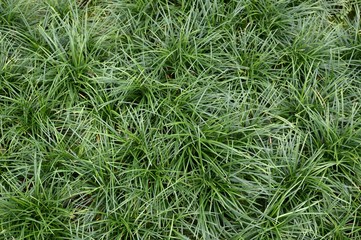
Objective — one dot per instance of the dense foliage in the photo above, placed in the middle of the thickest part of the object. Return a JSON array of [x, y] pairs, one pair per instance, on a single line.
[[180, 119]]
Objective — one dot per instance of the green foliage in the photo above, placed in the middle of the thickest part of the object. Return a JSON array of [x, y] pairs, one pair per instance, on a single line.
[[174, 119]]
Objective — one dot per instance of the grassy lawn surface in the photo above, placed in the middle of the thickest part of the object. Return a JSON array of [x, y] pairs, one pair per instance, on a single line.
[[180, 119]]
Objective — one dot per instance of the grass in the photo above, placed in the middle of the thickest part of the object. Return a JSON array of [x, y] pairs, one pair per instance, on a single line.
[[174, 119]]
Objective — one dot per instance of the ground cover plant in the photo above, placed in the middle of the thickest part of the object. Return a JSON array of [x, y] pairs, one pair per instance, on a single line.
[[180, 119]]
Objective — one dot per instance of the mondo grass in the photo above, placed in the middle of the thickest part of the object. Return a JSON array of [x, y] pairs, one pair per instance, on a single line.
[[174, 119]]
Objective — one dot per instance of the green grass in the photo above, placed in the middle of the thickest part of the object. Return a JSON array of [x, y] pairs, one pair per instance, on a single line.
[[179, 119]]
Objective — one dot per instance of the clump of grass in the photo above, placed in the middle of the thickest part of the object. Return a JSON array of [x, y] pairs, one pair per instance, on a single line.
[[180, 119]]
